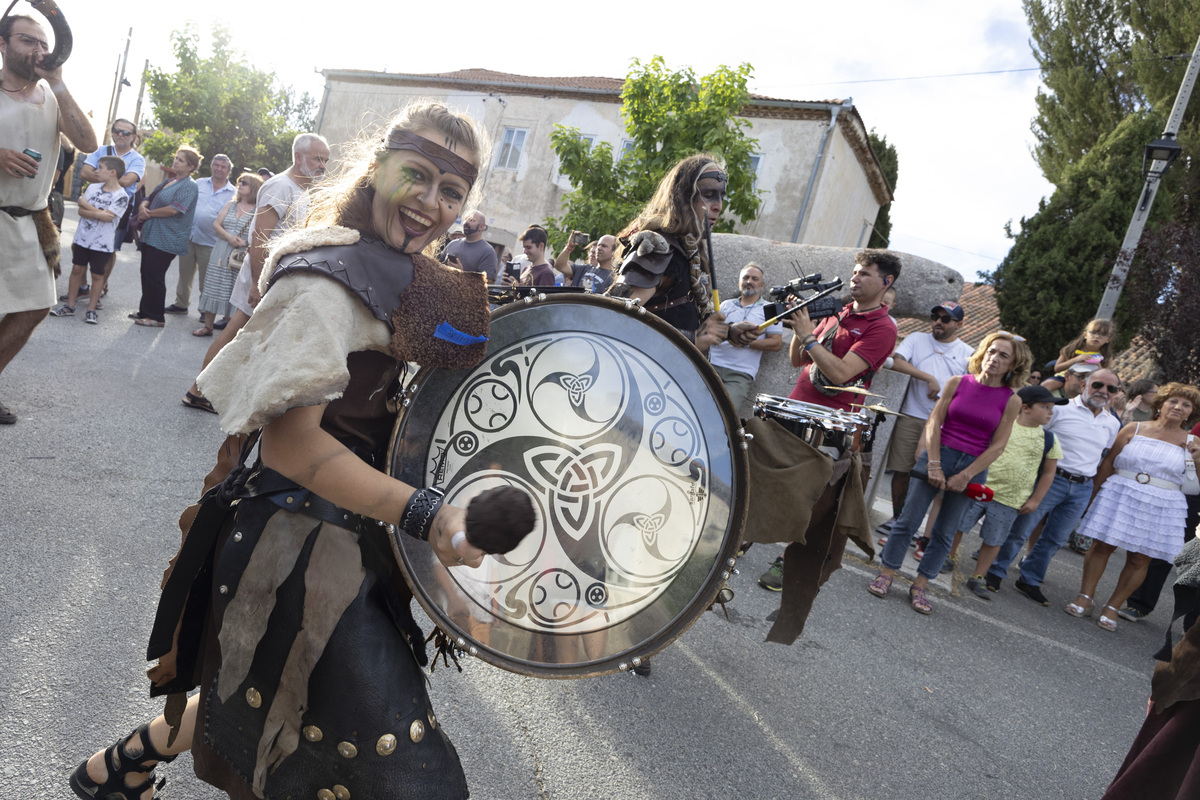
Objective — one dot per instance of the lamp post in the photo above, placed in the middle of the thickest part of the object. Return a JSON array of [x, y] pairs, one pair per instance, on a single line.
[[1159, 156]]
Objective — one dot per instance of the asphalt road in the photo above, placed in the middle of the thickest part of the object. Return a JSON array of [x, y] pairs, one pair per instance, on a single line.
[[1005, 699]]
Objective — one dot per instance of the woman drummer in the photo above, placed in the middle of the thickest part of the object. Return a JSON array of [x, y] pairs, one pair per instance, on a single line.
[[304, 647], [665, 261]]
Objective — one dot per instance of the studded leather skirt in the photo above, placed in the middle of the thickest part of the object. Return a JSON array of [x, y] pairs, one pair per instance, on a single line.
[[311, 685]]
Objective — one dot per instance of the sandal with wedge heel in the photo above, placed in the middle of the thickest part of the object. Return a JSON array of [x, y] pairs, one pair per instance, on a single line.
[[1076, 610], [1108, 623], [119, 762]]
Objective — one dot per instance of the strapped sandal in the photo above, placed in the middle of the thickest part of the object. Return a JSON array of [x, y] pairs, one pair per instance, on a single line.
[[119, 762], [1107, 623], [916, 599], [880, 586], [1076, 610]]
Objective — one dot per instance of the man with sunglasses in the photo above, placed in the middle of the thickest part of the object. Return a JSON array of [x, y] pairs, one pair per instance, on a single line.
[[124, 137], [929, 359], [1086, 430], [35, 107]]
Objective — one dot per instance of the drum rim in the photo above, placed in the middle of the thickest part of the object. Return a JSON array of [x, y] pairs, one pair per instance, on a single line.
[[722, 565]]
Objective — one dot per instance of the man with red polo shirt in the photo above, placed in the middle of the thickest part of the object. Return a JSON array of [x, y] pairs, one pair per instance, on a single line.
[[843, 350]]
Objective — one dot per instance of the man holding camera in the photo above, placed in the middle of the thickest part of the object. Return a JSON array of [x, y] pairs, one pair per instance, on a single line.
[[34, 107], [471, 253], [737, 364], [842, 350], [597, 275]]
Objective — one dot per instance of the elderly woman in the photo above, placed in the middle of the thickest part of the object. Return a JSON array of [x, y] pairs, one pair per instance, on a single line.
[[295, 620], [166, 217], [232, 226], [665, 259], [1139, 505], [966, 432]]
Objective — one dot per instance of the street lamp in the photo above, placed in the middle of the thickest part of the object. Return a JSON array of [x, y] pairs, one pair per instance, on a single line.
[[1164, 149]]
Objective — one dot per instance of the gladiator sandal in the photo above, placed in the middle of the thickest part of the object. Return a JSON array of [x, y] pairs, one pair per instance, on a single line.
[[119, 762]]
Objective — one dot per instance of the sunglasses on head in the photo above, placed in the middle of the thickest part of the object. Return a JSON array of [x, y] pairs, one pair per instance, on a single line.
[[942, 318], [1097, 385]]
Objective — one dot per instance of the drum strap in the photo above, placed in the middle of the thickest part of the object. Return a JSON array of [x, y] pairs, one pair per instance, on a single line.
[[663, 305]]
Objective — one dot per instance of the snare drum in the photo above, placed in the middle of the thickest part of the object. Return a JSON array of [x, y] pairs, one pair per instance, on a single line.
[[820, 426]]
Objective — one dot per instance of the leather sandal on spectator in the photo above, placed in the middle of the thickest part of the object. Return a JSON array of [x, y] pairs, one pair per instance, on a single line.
[[916, 599], [880, 586]]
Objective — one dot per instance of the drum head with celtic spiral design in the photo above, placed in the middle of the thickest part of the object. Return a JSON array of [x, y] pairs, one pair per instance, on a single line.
[[621, 434]]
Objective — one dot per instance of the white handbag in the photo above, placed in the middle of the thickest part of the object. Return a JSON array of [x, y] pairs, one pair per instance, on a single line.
[[1191, 485]]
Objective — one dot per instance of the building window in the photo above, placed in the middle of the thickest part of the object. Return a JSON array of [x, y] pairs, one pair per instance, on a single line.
[[626, 148], [756, 169], [510, 148]]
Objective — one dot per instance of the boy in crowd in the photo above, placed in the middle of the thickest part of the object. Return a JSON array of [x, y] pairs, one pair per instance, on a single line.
[[1016, 480], [100, 209]]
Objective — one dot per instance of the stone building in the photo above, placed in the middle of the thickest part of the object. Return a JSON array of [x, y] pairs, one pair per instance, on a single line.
[[821, 182]]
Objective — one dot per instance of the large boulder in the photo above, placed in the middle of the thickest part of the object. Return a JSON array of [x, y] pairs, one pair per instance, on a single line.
[[922, 285]]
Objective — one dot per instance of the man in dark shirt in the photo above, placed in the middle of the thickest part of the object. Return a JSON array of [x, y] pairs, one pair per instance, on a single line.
[[539, 272], [595, 276], [472, 253]]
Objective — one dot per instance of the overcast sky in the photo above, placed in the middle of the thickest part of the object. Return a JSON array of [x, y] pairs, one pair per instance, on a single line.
[[963, 142]]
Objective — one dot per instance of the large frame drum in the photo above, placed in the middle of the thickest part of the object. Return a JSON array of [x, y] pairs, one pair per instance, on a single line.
[[625, 439]]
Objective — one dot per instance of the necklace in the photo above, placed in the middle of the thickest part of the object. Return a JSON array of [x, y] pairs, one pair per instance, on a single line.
[[16, 91]]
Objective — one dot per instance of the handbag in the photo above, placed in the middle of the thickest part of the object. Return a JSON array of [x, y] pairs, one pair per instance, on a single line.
[[237, 256], [1191, 485], [136, 224]]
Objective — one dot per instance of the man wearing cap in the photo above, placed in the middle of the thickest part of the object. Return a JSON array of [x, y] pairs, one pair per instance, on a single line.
[[1072, 383], [929, 359], [1086, 431]]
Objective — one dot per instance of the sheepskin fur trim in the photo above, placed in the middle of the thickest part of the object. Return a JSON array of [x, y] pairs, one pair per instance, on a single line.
[[441, 294], [291, 353], [302, 240]]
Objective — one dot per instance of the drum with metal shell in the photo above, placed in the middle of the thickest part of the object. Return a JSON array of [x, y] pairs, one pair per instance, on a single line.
[[621, 433]]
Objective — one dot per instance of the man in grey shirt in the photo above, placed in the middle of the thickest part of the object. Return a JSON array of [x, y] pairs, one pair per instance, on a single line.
[[471, 253]]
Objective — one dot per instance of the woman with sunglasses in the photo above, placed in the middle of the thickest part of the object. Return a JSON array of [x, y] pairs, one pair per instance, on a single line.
[[966, 432], [1139, 505]]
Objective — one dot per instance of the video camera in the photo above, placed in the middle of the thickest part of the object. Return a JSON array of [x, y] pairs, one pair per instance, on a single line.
[[819, 306]]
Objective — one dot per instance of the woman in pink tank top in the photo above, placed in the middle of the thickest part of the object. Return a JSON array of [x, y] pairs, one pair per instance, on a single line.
[[968, 430]]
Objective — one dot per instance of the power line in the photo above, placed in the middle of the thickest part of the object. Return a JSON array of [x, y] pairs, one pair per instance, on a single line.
[[948, 247], [1185, 56]]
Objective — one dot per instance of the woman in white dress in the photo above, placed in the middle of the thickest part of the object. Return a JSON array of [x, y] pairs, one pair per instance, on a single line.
[[1139, 505]]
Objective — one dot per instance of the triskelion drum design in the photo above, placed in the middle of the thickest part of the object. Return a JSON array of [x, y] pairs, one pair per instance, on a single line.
[[622, 436]]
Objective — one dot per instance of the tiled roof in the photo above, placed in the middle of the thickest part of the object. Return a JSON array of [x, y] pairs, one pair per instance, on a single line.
[[584, 82], [981, 316]]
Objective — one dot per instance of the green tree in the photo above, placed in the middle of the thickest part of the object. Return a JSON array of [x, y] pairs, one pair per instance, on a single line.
[[1053, 277], [1084, 52], [889, 162], [221, 104], [668, 115]]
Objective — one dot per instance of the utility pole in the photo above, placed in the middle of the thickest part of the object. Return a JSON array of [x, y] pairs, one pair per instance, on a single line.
[[137, 112], [1116, 282], [114, 110]]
